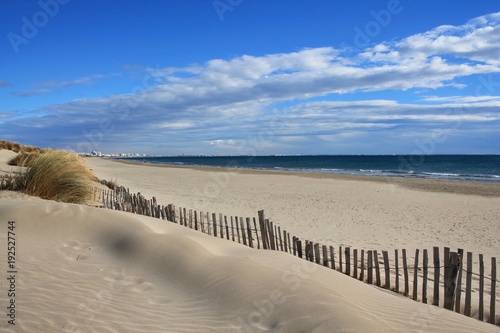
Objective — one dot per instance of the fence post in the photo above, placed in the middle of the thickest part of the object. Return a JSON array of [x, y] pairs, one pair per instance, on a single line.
[[405, 272], [279, 237], [362, 274], [468, 285], [237, 227], [288, 236], [355, 263], [332, 257], [249, 232], [243, 234], [285, 245], [370, 267], [377, 268], [299, 247], [459, 281], [214, 221], [270, 229], [450, 282], [426, 272], [415, 276], [340, 259], [396, 268], [348, 261], [227, 227], [493, 290], [256, 233], [387, 270], [435, 300], [481, 288], [325, 256], [317, 254], [265, 243], [221, 225]]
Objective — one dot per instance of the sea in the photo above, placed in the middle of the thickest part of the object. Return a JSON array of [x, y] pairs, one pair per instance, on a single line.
[[479, 168]]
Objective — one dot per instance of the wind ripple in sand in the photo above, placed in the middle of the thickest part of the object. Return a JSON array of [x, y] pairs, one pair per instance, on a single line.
[[85, 269]]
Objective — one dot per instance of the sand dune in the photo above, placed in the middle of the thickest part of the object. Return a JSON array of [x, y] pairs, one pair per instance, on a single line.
[[84, 269], [5, 157]]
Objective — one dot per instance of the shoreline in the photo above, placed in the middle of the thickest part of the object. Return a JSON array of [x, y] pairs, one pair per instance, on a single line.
[[486, 189]]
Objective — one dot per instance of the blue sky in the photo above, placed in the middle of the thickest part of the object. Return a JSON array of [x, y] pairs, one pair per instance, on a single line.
[[252, 76]]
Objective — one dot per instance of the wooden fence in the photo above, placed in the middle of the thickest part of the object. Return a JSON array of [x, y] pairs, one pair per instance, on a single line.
[[446, 279]]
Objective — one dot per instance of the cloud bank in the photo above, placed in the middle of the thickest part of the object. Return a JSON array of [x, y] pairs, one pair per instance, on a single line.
[[291, 102]]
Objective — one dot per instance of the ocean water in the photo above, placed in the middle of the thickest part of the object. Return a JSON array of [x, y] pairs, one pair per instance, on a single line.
[[483, 168]]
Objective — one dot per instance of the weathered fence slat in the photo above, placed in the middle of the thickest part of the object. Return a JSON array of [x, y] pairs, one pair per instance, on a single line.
[[458, 295], [317, 254], [340, 259], [249, 233], [396, 268], [332, 257], [451, 280], [362, 273], [348, 261], [425, 276], [214, 222], [256, 233], [405, 272], [387, 270], [355, 263], [493, 290], [435, 298], [415, 276], [279, 237], [221, 225], [243, 234], [370, 267], [288, 235], [325, 255], [227, 227], [299, 247], [377, 268], [481, 288], [468, 285]]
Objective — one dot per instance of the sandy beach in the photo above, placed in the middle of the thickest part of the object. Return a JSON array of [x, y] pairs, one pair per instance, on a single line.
[[359, 211], [87, 269]]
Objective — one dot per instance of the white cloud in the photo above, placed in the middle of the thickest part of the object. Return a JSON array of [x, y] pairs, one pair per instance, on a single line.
[[87, 80], [478, 40], [460, 99], [25, 93], [221, 142], [235, 96]]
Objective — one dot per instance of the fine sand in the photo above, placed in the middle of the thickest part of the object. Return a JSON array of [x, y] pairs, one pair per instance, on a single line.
[[85, 269], [5, 157]]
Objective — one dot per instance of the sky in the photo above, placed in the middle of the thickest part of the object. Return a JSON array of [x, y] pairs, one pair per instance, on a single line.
[[260, 77]]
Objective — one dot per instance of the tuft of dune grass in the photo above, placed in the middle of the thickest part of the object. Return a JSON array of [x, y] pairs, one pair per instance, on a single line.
[[60, 176], [9, 145], [25, 159]]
